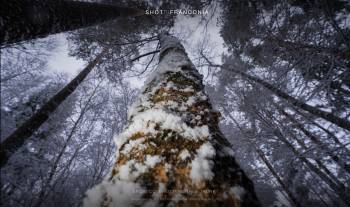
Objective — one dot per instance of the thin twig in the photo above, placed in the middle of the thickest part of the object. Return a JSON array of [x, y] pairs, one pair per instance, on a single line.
[[143, 55]]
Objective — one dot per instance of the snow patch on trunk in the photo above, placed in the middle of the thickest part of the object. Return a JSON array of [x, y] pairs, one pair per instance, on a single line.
[[201, 166], [123, 193], [151, 161], [146, 121]]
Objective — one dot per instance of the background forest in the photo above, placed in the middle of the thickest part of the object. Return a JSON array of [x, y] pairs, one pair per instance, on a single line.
[[278, 72]]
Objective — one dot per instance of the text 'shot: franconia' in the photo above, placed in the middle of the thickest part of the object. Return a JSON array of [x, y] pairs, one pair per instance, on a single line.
[[175, 11]]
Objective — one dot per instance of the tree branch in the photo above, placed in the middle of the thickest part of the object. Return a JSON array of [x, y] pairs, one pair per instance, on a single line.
[[144, 55]]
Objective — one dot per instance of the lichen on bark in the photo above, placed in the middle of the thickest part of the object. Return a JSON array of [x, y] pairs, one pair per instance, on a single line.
[[172, 152]]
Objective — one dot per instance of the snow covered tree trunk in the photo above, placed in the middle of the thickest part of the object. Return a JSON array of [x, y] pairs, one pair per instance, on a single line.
[[172, 151]]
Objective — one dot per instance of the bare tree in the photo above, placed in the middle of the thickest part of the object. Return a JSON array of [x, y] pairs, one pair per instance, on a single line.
[[16, 139], [263, 157], [341, 122]]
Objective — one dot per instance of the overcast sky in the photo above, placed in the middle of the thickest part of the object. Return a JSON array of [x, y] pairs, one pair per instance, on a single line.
[[185, 26]]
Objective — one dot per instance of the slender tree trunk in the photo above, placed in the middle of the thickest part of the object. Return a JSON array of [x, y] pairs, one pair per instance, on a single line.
[[29, 19], [277, 132], [343, 123], [341, 191], [329, 133], [316, 140], [319, 163], [314, 191], [47, 182], [278, 178], [172, 152], [15, 140], [262, 156]]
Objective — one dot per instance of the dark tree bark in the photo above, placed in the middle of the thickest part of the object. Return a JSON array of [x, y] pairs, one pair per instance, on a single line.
[[29, 19], [15, 140]]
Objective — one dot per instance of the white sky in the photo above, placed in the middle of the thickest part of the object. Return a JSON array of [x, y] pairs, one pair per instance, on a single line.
[[188, 28], [197, 32], [59, 60]]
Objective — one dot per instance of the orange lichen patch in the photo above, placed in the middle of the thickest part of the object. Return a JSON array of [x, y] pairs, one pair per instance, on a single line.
[[178, 177], [167, 140], [184, 171], [164, 94], [122, 160], [159, 173], [156, 145], [193, 109], [150, 150], [137, 135], [208, 116], [137, 154], [114, 172]]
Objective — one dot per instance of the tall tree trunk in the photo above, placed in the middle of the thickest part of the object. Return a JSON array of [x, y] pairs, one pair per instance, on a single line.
[[15, 140], [55, 164], [329, 133], [341, 122], [28, 19], [318, 162], [172, 151], [340, 190], [315, 140], [278, 178], [262, 156]]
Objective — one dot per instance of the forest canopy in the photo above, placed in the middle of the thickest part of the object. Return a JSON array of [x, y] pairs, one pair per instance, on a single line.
[[242, 103]]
